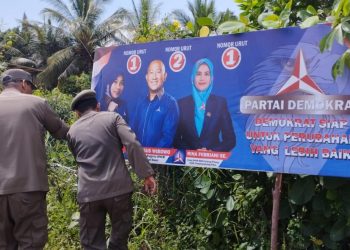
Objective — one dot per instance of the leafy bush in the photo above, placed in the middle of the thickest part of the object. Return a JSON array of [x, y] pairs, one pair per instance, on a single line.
[[74, 84], [62, 210], [151, 228], [217, 209]]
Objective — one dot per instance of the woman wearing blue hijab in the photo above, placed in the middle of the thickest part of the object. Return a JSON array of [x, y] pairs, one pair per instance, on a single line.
[[205, 122]]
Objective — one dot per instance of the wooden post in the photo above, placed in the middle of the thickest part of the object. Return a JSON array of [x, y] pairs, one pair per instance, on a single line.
[[276, 196]]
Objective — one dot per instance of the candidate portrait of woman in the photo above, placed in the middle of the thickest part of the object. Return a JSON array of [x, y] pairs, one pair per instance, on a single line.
[[205, 122], [112, 100]]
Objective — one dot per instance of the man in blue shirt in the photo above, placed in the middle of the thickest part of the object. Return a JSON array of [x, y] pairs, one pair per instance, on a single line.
[[157, 115]]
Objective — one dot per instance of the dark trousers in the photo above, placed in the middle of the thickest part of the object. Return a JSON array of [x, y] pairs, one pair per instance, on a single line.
[[93, 219], [23, 221]]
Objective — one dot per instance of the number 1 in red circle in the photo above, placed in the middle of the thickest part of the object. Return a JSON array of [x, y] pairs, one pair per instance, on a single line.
[[231, 58], [134, 64]]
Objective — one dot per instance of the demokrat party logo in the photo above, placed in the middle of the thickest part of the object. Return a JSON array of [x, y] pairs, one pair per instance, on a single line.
[[300, 94]]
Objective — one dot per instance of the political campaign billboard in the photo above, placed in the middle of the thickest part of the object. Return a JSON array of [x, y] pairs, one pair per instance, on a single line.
[[257, 101]]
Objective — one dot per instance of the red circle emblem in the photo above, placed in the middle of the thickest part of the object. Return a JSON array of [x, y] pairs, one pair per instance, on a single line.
[[134, 64], [231, 58], [177, 61]]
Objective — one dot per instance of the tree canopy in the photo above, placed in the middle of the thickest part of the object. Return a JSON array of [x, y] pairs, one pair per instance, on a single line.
[[80, 24]]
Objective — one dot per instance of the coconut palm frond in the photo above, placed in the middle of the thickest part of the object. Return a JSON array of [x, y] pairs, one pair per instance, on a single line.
[[120, 38], [79, 32], [61, 55], [14, 52], [120, 15], [154, 10], [72, 68], [93, 13], [135, 11], [60, 18], [57, 64], [61, 8], [181, 16], [224, 16]]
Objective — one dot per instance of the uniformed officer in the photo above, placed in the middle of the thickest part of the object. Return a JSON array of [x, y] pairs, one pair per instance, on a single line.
[[23, 171], [105, 187]]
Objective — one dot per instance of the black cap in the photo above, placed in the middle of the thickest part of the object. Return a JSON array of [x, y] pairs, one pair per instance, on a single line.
[[15, 75], [82, 96]]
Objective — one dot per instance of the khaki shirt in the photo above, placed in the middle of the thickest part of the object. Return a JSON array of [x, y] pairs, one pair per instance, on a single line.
[[23, 121], [96, 141]]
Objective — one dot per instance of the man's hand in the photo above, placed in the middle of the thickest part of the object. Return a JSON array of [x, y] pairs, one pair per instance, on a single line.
[[150, 185]]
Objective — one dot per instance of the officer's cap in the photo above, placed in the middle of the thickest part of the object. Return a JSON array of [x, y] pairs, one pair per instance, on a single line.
[[83, 96], [15, 75]]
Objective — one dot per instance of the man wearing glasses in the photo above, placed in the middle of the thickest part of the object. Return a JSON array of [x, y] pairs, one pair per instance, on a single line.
[[24, 118]]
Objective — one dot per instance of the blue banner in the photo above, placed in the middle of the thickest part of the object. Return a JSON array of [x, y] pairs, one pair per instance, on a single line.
[[259, 101]]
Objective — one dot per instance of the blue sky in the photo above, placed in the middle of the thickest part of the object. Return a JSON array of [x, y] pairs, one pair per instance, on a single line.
[[12, 10]]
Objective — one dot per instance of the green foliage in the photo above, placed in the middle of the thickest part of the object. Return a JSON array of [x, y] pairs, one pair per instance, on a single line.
[[233, 27], [203, 19], [31, 44], [142, 18], [151, 228], [141, 23], [340, 18], [282, 13], [267, 14], [8, 40], [62, 210], [59, 102], [222, 209], [74, 84], [302, 190], [310, 220], [81, 25], [164, 31], [215, 209]]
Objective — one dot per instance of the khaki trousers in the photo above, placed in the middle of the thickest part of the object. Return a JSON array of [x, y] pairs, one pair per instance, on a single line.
[[23, 221], [93, 219]]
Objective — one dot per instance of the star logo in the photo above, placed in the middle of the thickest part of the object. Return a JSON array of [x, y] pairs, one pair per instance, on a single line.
[[300, 79], [179, 157]]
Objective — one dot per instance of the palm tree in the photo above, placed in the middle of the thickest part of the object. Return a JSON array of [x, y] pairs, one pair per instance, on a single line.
[[44, 40], [17, 42], [202, 8], [31, 43], [80, 23], [143, 17]]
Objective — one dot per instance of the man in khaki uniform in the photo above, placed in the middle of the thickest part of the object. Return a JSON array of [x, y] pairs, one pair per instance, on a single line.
[[24, 118], [105, 187]]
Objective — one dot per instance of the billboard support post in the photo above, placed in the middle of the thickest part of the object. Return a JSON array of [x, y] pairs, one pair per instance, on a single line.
[[276, 196]]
